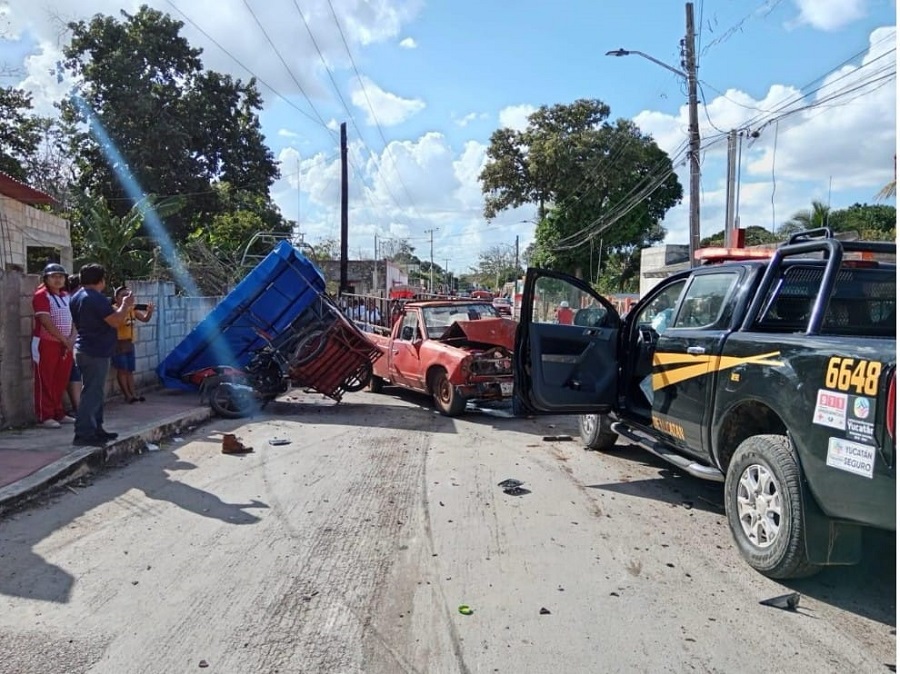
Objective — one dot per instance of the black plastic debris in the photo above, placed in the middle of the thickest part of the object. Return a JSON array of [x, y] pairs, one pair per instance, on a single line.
[[516, 491], [788, 602], [510, 482], [557, 438], [545, 611]]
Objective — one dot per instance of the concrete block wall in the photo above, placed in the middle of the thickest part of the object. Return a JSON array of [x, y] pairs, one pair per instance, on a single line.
[[175, 316], [27, 226]]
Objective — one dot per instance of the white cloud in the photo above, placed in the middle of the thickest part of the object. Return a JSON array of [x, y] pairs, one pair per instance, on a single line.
[[516, 116], [408, 43], [287, 133], [229, 23], [464, 121], [830, 15], [382, 106]]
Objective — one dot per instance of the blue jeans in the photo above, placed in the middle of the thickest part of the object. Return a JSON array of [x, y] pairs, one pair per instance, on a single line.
[[89, 418]]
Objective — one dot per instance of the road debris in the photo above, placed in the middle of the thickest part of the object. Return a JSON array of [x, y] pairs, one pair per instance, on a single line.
[[231, 445], [465, 609], [279, 441], [788, 602], [152, 448], [513, 487], [203, 664], [544, 611], [557, 438]]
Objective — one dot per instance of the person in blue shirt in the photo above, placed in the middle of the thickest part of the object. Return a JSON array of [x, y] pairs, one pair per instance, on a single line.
[[96, 321]]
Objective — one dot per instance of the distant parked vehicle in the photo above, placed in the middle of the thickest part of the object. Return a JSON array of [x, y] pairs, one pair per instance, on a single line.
[[503, 306]]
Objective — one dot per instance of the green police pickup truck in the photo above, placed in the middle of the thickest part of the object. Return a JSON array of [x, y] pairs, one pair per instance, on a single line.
[[775, 376]]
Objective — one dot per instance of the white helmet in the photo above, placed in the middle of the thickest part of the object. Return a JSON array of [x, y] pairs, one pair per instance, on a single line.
[[564, 305]]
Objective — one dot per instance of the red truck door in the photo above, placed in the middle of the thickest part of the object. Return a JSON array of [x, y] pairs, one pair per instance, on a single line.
[[403, 356]]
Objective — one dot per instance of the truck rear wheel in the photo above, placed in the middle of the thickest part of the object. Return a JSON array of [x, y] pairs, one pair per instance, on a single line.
[[595, 432], [763, 503], [376, 384], [446, 399]]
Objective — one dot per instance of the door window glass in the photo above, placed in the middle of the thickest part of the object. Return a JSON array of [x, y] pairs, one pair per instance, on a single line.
[[704, 300], [659, 310], [409, 328], [556, 301]]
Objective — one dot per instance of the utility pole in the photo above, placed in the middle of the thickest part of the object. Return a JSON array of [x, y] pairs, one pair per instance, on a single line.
[[344, 285], [690, 67], [515, 289], [730, 186], [375, 267], [448, 275], [431, 232]]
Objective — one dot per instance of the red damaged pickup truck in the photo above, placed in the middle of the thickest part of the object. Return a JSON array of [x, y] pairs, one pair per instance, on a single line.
[[455, 350]]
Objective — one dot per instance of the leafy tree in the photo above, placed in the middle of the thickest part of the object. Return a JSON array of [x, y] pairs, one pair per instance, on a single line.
[[872, 222], [589, 177], [817, 216], [753, 236], [496, 266], [620, 273], [50, 168], [179, 128], [20, 133], [325, 249], [101, 236]]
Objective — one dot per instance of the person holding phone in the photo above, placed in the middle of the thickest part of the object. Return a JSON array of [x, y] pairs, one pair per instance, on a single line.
[[96, 322], [123, 361]]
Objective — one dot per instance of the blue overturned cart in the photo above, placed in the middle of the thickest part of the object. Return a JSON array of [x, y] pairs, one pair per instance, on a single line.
[[278, 328]]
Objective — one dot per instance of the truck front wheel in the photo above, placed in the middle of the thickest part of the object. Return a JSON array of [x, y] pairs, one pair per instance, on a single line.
[[763, 503], [595, 432], [446, 399]]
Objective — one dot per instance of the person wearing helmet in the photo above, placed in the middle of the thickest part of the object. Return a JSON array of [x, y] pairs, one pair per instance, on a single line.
[[564, 315], [52, 345]]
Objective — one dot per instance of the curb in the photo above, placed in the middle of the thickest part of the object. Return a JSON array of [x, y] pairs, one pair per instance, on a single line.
[[86, 460]]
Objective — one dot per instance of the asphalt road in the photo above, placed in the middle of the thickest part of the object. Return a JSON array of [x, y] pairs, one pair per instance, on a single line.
[[351, 549]]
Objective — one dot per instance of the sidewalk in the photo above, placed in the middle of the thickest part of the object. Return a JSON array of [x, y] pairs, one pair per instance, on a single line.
[[35, 459]]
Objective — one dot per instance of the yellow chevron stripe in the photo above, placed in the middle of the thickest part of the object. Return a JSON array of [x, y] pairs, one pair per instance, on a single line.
[[706, 365], [678, 375], [673, 358]]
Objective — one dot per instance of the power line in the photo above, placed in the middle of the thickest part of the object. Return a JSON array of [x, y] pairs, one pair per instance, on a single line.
[[768, 7], [247, 69], [362, 86], [284, 63]]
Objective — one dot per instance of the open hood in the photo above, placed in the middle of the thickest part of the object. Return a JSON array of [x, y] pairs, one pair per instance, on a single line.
[[488, 331]]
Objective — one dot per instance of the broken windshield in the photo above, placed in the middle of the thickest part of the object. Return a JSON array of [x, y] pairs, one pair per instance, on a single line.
[[438, 319]]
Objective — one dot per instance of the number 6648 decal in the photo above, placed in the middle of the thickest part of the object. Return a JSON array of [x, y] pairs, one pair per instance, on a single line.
[[850, 374]]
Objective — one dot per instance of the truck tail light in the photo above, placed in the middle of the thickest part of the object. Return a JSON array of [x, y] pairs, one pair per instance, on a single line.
[[891, 411]]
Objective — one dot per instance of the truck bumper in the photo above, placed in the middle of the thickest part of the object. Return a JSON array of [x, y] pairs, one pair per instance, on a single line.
[[487, 390]]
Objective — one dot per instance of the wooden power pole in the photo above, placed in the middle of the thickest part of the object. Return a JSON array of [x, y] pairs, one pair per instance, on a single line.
[[344, 285]]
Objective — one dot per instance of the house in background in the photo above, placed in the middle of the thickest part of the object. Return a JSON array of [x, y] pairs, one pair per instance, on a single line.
[[28, 234]]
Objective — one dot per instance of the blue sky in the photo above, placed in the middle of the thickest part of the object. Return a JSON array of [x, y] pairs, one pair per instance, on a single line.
[[441, 77]]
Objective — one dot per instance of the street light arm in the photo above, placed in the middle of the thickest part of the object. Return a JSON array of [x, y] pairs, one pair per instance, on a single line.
[[627, 52]]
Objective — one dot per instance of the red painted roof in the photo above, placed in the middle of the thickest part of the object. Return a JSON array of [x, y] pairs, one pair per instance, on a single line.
[[19, 191]]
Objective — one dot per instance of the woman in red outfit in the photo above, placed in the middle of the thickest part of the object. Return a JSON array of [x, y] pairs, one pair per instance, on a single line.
[[51, 347]]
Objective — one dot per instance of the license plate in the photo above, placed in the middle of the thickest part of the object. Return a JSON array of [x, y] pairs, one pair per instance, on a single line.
[[506, 388]]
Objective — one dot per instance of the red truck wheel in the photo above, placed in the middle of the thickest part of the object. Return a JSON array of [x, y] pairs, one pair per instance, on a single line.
[[376, 384], [446, 399]]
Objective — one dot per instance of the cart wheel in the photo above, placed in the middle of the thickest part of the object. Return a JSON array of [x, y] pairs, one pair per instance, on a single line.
[[309, 347], [359, 380], [230, 402]]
